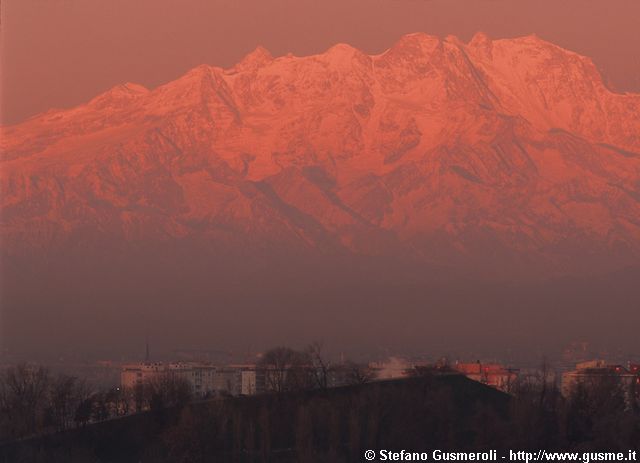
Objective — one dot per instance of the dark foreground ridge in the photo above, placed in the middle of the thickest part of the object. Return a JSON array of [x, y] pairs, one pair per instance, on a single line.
[[323, 425], [422, 413]]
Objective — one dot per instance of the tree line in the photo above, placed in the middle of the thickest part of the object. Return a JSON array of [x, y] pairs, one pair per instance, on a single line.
[[35, 401], [305, 419]]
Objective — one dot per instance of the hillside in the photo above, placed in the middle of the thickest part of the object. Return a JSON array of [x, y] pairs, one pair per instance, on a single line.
[[333, 425]]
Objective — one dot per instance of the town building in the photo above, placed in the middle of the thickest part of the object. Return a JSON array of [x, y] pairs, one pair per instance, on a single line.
[[491, 374], [133, 375], [205, 379], [596, 373], [391, 368]]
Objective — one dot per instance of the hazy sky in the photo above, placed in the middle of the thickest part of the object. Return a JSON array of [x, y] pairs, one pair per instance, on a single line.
[[58, 53]]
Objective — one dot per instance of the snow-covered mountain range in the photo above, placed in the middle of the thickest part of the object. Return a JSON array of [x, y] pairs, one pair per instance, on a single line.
[[494, 152]]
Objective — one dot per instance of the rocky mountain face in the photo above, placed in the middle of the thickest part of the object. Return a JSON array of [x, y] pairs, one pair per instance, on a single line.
[[493, 153]]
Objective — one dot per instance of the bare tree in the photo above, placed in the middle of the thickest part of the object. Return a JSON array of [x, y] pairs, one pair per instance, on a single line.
[[357, 373], [286, 369], [119, 401], [100, 407], [167, 390], [83, 412], [23, 399], [65, 396], [321, 368]]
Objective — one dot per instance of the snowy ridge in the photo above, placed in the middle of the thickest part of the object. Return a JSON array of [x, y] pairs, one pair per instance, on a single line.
[[448, 150]]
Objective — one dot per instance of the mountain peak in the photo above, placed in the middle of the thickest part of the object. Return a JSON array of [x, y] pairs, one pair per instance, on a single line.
[[482, 43], [120, 93], [453, 39], [199, 71], [343, 54], [202, 74], [416, 40], [480, 40], [536, 41], [127, 89], [254, 60], [342, 49], [533, 37], [131, 88], [412, 49]]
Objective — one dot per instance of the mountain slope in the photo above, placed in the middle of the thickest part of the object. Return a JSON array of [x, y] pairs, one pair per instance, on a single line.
[[511, 153]]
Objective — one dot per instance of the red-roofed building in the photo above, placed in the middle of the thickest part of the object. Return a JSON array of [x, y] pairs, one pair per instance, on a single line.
[[491, 374]]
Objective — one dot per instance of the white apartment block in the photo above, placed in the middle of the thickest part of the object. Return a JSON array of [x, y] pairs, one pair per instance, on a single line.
[[205, 379]]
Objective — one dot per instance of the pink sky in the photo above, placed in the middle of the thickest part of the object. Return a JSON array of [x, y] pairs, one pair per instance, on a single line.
[[59, 53]]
